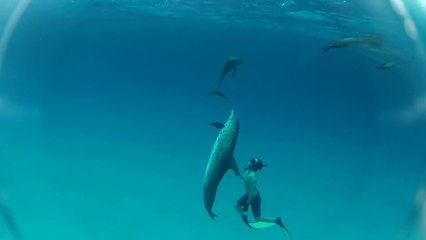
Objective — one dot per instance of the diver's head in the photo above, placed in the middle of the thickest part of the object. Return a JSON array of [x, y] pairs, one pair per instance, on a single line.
[[255, 164]]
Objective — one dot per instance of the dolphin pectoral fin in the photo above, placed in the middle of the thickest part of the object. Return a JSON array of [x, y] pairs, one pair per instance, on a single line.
[[385, 65], [326, 48], [217, 93], [217, 125], [234, 167], [212, 215], [234, 73]]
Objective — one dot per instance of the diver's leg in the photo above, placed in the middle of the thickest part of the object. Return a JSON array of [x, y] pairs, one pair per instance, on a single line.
[[242, 205], [256, 210], [240, 210]]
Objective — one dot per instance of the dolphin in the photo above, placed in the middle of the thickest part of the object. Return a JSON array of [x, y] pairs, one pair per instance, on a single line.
[[372, 48], [387, 56], [352, 41], [231, 64], [220, 161]]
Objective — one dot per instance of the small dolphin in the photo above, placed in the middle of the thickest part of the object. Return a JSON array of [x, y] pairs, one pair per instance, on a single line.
[[220, 161], [387, 57], [231, 64], [352, 41]]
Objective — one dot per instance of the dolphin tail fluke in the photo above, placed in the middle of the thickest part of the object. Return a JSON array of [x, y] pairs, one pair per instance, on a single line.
[[217, 93], [212, 215]]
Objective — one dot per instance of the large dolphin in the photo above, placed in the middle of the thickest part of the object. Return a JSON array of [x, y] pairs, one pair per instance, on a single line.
[[372, 48], [221, 159], [231, 64]]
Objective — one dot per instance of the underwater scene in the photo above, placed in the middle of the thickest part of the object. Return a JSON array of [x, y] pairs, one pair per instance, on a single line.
[[212, 119]]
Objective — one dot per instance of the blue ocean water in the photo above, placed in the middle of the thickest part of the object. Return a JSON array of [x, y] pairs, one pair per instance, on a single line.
[[105, 112]]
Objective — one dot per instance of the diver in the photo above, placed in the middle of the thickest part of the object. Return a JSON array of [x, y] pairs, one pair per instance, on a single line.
[[252, 198]]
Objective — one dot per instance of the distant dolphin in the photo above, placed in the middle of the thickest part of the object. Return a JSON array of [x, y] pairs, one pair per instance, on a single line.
[[231, 64], [350, 42], [221, 159], [372, 48], [387, 57]]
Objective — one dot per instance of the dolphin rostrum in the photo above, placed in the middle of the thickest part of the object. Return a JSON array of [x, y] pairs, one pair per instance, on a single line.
[[221, 159], [231, 64]]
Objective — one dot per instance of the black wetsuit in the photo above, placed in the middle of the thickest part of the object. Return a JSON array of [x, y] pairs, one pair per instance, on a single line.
[[255, 204]]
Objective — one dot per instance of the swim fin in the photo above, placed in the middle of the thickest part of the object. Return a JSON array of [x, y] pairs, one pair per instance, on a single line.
[[280, 223], [262, 225]]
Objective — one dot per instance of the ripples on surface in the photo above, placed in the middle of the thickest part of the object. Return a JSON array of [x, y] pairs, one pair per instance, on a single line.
[[321, 18]]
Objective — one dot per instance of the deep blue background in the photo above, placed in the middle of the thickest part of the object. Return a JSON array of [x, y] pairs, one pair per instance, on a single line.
[[108, 135]]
